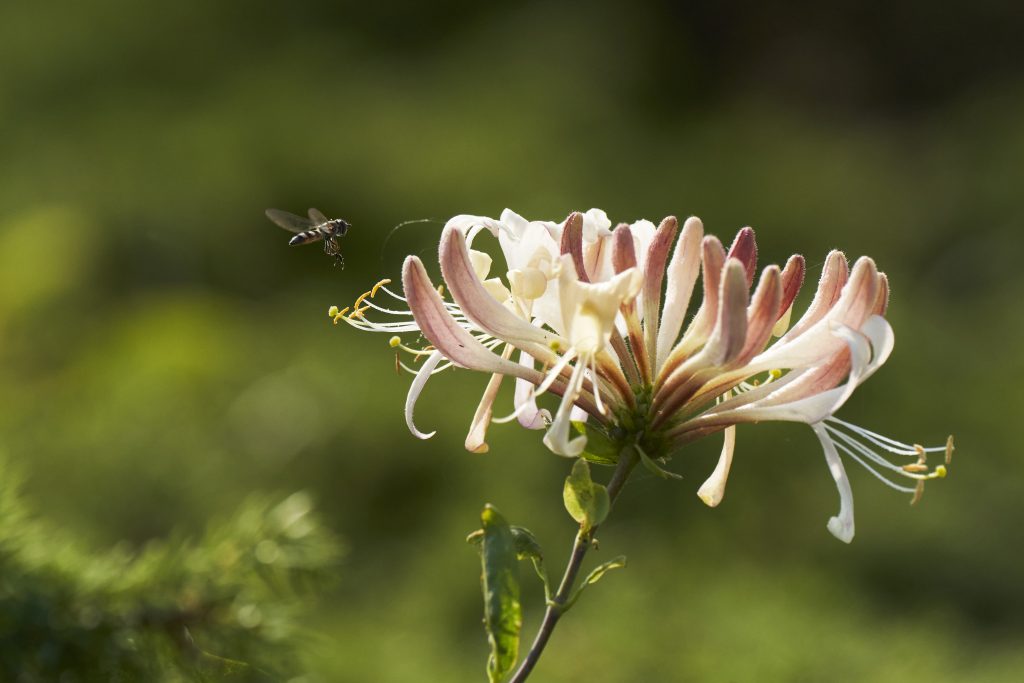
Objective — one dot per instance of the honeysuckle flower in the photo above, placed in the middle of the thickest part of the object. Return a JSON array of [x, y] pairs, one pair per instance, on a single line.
[[601, 311]]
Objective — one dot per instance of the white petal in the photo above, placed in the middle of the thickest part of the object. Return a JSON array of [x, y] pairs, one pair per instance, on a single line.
[[476, 439], [416, 388], [682, 276], [840, 526], [557, 437], [528, 416], [713, 490], [577, 414]]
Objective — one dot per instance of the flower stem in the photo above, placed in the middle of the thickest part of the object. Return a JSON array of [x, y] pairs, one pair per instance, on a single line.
[[556, 606]]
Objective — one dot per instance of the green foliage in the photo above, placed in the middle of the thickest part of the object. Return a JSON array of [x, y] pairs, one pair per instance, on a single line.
[[594, 576], [600, 450], [527, 548], [586, 501], [222, 607], [503, 616], [653, 467]]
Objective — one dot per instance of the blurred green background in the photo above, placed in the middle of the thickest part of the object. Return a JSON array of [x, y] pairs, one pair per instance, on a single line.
[[164, 355]]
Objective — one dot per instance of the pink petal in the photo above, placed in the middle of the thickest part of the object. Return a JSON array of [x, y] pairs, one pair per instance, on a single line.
[[445, 333], [792, 280], [482, 308], [654, 275], [572, 243], [744, 248]]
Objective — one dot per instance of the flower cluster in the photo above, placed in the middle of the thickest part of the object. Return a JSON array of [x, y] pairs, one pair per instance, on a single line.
[[596, 315]]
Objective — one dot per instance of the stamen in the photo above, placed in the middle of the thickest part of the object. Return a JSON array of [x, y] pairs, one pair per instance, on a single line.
[[949, 449], [361, 297], [338, 315], [381, 283]]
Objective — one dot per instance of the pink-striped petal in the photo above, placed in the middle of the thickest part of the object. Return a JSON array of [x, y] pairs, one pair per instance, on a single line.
[[482, 308], [654, 275], [683, 270]]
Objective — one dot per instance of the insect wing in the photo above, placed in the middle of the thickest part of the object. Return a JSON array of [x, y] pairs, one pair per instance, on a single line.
[[289, 221], [317, 217]]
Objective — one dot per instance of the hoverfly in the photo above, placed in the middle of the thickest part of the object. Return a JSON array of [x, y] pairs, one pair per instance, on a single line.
[[316, 227]]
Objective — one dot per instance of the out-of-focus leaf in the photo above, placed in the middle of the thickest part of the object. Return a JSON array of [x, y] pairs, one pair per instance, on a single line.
[[654, 468], [586, 501], [502, 612]]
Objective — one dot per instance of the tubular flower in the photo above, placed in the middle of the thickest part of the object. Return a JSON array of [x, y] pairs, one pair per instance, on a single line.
[[596, 316]]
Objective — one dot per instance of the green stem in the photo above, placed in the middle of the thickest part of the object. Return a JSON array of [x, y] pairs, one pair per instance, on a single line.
[[556, 605]]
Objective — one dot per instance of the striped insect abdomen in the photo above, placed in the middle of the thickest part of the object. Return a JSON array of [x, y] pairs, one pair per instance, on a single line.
[[306, 237]]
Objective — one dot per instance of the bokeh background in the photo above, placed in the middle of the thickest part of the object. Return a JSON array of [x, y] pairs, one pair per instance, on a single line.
[[164, 355]]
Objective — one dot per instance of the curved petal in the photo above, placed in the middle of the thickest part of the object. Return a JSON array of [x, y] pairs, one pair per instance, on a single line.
[[713, 489], [445, 333], [416, 388], [525, 402], [483, 309], [557, 438], [841, 526]]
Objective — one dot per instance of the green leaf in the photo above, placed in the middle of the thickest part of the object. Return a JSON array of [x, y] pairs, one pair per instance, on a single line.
[[586, 501], [600, 449], [502, 612], [654, 468], [593, 577], [527, 548]]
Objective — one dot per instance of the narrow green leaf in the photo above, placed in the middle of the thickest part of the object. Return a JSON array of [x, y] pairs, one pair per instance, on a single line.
[[527, 548], [502, 612], [586, 501], [598, 573], [654, 467], [594, 576]]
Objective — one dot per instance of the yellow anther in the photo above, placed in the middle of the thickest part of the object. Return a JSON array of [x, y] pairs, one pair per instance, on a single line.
[[394, 342], [358, 313], [373, 292], [361, 298], [440, 291], [332, 311], [949, 449], [915, 467], [398, 363], [338, 315]]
